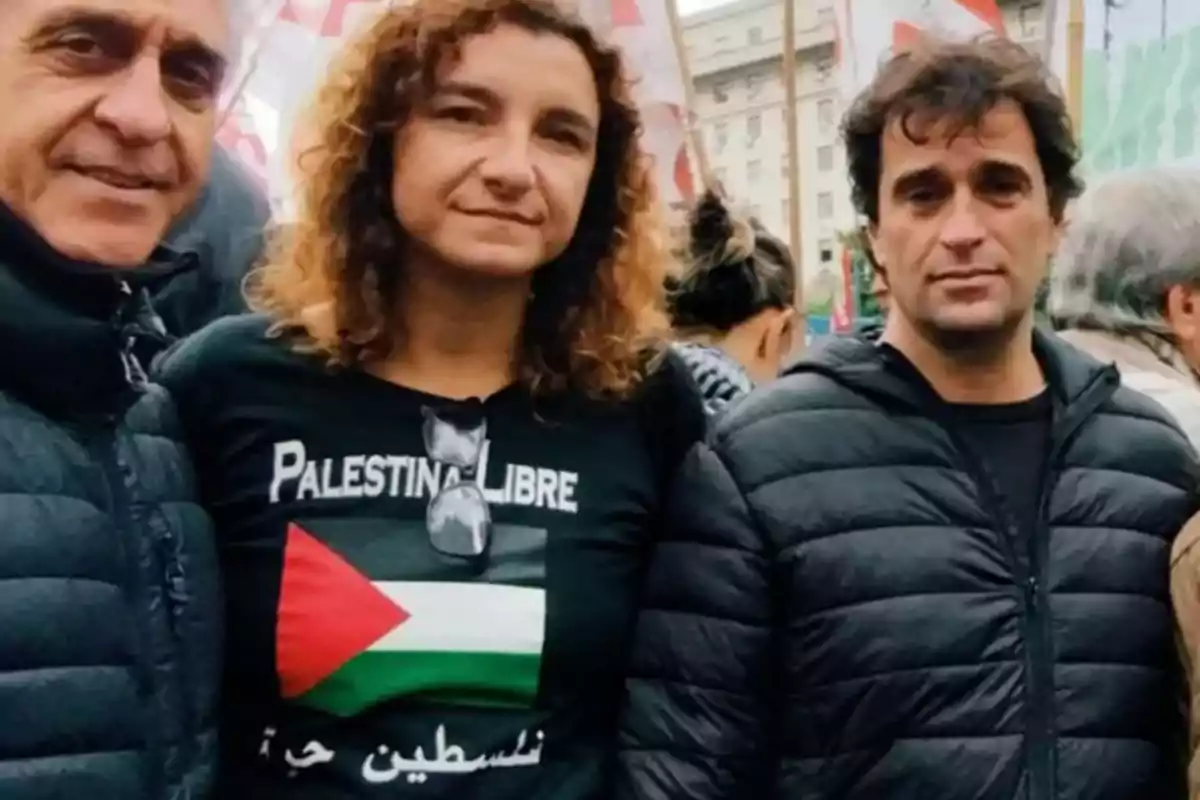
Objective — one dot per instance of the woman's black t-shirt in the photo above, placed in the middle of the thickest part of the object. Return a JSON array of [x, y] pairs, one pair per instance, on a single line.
[[364, 661]]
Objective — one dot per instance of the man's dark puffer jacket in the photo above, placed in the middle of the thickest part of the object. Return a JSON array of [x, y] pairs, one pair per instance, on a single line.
[[834, 614], [109, 603]]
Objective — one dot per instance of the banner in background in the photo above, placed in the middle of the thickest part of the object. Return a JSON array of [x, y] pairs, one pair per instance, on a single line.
[[841, 318], [869, 31], [286, 54], [1141, 84], [642, 29], [284, 60]]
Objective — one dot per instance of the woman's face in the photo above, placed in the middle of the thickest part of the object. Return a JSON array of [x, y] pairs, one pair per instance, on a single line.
[[491, 174]]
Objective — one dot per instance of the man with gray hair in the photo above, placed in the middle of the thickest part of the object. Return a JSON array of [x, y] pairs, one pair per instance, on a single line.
[[109, 604], [1125, 285]]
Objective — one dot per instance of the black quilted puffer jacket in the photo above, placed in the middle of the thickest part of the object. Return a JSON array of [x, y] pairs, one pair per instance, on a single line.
[[109, 602], [835, 612]]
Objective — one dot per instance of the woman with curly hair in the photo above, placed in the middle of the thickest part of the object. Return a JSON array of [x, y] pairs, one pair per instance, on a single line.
[[732, 308], [437, 453]]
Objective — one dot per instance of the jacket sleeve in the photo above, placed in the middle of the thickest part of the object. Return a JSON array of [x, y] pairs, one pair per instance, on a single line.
[[1185, 597], [696, 725]]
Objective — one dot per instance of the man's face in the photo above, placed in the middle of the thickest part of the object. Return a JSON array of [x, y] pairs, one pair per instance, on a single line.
[[111, 107], [491, 176], [965, 230], [1183, 318]]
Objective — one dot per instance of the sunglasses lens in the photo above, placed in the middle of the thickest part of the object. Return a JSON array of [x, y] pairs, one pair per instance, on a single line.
[[459, 522]]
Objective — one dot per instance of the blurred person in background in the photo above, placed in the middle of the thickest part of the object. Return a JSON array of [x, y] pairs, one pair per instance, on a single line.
[[224, 232], [872, 329], [109, 605], [732, 307], [437, 456], [1125, 284]]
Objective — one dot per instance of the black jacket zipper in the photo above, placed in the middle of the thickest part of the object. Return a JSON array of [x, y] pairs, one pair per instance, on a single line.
[[1030, 572], [1037, 743], [1043, 734], [127, 529]]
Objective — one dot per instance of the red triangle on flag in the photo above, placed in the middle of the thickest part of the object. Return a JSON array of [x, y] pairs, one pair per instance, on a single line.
[[625, 13], [328, 613]]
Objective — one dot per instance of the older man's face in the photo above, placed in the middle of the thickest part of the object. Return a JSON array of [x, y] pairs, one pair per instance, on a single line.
[[110, 109]]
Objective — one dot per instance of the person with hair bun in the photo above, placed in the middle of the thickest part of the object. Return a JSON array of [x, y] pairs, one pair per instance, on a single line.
[[732, 308], [436, 455]]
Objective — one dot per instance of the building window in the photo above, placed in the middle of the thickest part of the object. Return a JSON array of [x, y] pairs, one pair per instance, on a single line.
[[825, 115], [720, 136], [1027, 19], [825, 158], [754, 35], [754, 171], [754, 86], [824, 70], [720, 94], [826, 247], [824, 205], [754, 127]]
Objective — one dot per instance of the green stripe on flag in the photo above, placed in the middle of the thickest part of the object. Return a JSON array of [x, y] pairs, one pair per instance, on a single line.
[[506, 680]]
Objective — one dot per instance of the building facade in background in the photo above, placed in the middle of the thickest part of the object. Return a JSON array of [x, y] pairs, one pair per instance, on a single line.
[[735, 53]]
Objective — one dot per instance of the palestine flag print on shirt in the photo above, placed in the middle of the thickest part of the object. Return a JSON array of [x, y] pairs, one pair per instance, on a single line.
[[361, 623]]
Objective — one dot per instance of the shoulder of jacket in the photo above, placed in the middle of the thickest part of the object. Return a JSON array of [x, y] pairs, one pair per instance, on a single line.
[[760, 411], [671, 406], [1149, 440], [222, 346], [1176, 411]]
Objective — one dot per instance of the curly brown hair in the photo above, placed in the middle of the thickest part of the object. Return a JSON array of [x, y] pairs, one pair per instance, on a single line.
[[331, 283], [959, 82]]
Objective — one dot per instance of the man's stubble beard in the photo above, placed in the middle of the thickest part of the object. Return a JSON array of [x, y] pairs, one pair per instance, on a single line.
[[975, 346]]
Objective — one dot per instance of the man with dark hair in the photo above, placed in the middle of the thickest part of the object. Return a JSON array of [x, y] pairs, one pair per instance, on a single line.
[[934, 567]]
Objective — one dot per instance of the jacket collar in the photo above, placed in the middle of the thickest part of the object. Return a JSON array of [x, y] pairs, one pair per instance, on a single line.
[[66, 324], [717, 374], [873, 370]]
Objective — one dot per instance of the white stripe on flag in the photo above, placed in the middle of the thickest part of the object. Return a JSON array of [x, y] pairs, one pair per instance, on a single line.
[[465, 618]]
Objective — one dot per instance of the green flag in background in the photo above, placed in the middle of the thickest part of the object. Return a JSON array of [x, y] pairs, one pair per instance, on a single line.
[[1141, 94]]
